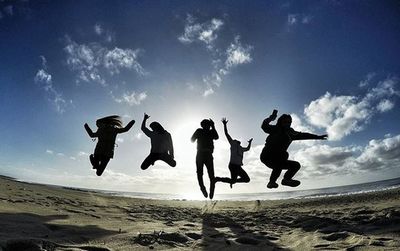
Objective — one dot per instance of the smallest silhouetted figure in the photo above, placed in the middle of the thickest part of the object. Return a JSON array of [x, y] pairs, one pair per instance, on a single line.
[[236, 161], [108, 128], [161, 144], [205, 147]]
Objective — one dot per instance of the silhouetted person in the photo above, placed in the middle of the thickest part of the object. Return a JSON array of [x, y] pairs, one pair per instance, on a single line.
[[205, 147], [161, 144], [236, 160], [108, 128], [275, 155]]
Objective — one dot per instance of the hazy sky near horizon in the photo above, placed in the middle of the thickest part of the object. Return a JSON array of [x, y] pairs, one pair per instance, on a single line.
[[333, 65]]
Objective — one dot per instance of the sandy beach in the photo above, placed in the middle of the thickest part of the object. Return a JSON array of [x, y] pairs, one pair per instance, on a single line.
[[41, 217]]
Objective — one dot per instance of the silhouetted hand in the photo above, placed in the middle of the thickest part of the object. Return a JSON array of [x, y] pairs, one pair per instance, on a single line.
[[132, 121], [273, 116], [250, 140], [146, 116], [211, 122], [224, 121], [323, 137], [85, 125]]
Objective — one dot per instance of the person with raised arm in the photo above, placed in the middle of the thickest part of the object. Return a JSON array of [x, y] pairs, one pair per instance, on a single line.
[[205, 147], [274, 154], [161, 144], [108, 128], [236, 160]]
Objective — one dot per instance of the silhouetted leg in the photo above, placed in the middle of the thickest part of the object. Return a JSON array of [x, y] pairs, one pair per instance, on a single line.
[[223, 179], [94, 160], [210, 170], [276, 172], [103, 164], [244, 177], [148, 161], [199, 170], [167, 159], [293, 167]]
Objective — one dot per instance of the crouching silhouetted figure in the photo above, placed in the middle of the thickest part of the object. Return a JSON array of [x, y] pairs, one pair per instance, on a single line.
[[275, 155], [161, 144], [108, 128], [236, 160]]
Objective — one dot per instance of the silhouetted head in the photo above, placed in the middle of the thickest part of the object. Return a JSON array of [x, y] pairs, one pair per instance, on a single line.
[[284, 121], [157, 127], [205, 124], [113, 120]]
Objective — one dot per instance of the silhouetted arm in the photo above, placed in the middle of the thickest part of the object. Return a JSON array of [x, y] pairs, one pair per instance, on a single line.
[[248, 146], [89, 131], [213, 131], [266, 126], [144, 128], [170, 146], [225, 122], [194, 136], [305, 135], [127, 127]]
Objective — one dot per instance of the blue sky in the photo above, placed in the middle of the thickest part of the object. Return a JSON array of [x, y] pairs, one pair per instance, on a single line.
[[333, 65]]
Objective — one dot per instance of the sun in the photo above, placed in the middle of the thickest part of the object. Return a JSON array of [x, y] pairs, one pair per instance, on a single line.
[[184, 149]]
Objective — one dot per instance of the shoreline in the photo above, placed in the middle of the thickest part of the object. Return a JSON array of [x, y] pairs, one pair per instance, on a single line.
[[176, 197]]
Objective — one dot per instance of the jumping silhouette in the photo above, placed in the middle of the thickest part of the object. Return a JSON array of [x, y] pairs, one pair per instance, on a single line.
[[274, 154], [205, 148], [236, 160], [161, 144], [108, 128]]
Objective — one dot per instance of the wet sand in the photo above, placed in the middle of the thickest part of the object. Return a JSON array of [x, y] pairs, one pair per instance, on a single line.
[[40, 217]]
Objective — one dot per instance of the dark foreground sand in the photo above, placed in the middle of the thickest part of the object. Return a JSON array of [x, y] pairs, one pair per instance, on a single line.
[[39, 217]]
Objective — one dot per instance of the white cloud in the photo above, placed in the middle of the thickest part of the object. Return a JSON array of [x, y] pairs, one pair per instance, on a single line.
[[116, 59], [297, 18], [223, 60], [201, 32], [44, 80], [292, 19], [91, 60], [367, 79], [208, 92], [306, 19], [81, 153], [49, 151], [98, 29], [237, 54], [132, 98], [44, 77], [385, 105], [343, 115]]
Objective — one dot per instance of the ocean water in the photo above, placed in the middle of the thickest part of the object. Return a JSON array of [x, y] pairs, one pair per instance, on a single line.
[[312, 193]]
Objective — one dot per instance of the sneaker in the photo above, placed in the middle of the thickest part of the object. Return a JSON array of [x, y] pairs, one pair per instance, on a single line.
[[272, 185], [91, 158], [290, 182]]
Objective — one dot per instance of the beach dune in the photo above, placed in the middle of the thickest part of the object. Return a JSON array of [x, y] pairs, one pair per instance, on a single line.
[[41, 217]]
